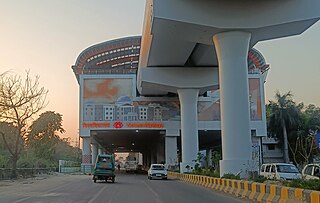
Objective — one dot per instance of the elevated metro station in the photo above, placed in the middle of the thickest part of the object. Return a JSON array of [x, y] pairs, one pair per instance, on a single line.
[[184, 85], [114, 117]]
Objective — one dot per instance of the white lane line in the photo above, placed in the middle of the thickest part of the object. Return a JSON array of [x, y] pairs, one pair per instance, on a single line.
[[97, 195], [153, 192], [20, 200]]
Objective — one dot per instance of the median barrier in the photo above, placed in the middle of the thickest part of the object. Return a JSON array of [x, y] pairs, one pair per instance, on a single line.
[[254, 191], [233, 187], [209, 183]]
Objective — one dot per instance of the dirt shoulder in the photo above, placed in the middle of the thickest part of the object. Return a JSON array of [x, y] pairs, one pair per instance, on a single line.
[[36, 179]]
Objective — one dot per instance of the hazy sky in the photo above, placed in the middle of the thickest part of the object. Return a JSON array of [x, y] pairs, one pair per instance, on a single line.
[[46, 36]]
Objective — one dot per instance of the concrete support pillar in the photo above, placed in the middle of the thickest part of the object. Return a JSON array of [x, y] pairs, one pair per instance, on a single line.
[[171, 150], [160, 152], [153, 157], [189, 128], [100, 150], [148, 158], [209, 156], [144, 159], [94, 153], [232, 52], [86, 155]]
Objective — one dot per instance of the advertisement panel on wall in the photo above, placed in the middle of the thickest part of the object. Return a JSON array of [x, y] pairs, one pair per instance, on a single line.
[[106, 90], [210, 110], [255, 99]]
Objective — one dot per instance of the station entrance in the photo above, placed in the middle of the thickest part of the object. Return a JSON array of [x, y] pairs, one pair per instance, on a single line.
[[151, 144]]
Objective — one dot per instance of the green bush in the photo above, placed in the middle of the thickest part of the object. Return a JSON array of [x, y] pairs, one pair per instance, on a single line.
[[215, 174], [231, 176], [206, 172], [4, 161], [304, 184], [31, 161], [259, 179]]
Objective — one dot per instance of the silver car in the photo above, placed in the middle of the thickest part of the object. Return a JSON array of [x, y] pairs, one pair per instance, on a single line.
[[157, 171], [311, 171], [280, 171]]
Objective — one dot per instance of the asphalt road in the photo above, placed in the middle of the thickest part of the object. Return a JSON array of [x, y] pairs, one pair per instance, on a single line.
[[128, 188]]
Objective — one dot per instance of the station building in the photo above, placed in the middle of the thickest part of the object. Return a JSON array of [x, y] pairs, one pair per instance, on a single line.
[[115, 118]]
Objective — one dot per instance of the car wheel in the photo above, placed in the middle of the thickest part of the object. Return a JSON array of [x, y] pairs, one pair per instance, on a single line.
[[94, 180]]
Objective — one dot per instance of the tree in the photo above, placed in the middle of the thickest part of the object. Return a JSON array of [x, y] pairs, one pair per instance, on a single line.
[[283, 115], [7, 132], [215, 158], [20, 99], [302, 144], [43, 136], [66, 152]]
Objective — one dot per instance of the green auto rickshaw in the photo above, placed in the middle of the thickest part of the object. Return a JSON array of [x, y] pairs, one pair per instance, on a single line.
[[104, 168]]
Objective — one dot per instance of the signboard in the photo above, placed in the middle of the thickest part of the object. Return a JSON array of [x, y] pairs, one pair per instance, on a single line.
[[318, 140], [118, 125]]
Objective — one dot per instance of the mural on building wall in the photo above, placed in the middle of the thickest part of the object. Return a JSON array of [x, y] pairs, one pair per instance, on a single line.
[[111, 99], [106, 90], [158, 110], [210, 110], [255, 99]]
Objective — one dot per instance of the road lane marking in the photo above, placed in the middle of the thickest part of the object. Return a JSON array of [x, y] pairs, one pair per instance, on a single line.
[[152, 191], [97, 195], [20, 200]]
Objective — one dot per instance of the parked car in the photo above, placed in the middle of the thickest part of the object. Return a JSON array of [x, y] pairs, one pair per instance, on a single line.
[[158, 171], [280, 171], [311, 171]]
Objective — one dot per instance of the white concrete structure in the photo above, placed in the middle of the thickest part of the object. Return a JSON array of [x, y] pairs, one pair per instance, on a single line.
[[232, 49], [171, 147], [189, 126], [154, 130], [181, 37], [86, 155]]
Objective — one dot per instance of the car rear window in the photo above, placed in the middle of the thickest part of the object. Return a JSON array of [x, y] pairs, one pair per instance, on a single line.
[[105, 159], [157, 167], [287, 169]]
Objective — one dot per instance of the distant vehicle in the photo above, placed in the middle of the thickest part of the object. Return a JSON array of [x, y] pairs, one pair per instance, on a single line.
[[131, 166], [280, 171], [133, 163], [104, 168], [311, 171], [158, 171]]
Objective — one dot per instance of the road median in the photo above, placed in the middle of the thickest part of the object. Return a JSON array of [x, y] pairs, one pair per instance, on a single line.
[[259, 192]]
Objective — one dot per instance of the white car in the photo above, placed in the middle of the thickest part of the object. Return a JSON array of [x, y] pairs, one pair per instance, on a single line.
[[311, 171], [158, 171], [280, 171]]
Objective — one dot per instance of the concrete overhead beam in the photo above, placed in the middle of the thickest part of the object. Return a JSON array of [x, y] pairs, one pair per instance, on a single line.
[[179, 32], [169, 79], [198, 21]]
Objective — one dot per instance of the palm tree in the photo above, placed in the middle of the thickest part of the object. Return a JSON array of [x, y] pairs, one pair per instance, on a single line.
[[283, 114]]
